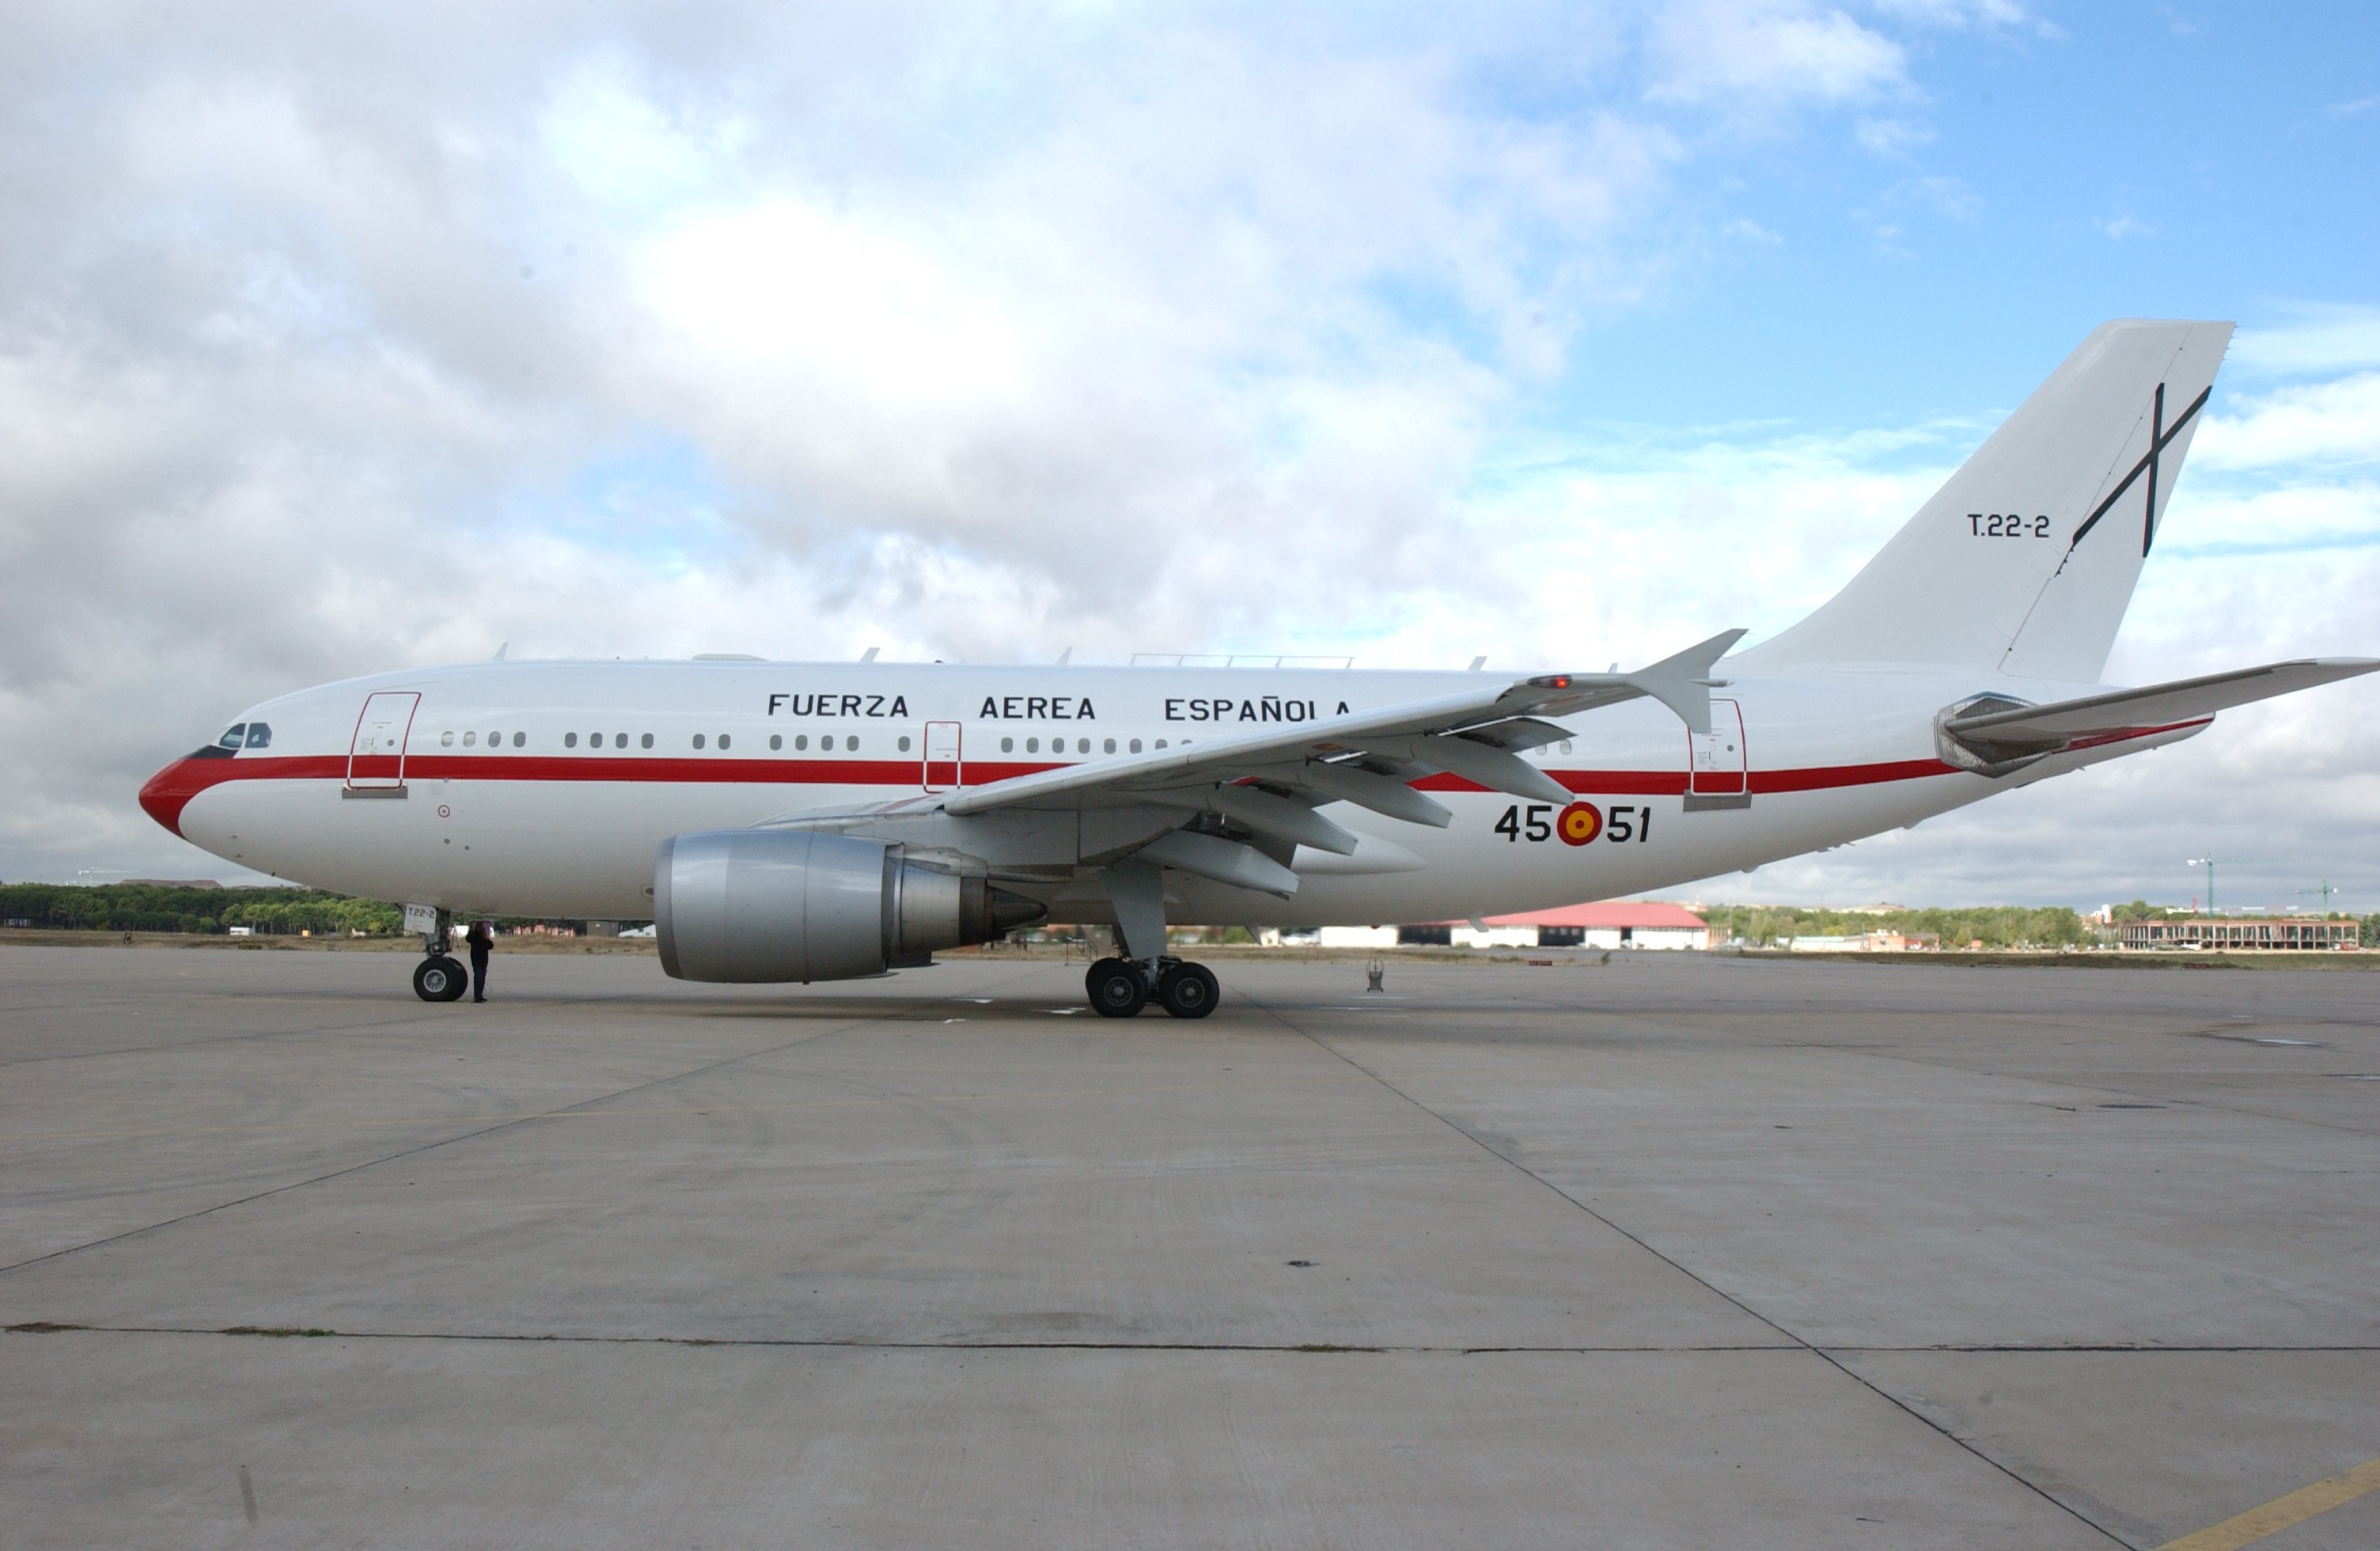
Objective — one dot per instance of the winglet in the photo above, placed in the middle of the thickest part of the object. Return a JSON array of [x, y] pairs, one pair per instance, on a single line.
[[1682, 681]]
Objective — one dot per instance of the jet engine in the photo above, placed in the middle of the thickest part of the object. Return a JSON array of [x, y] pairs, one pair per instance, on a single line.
[[759, 906]]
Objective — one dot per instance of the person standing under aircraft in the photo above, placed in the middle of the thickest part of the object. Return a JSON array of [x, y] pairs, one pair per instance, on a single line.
[[480, 940]]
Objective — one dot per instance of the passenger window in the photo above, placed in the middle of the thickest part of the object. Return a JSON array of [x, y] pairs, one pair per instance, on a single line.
[[776, 741], [1032, 746], [904, 743], [646, 741], [495, 740], [1160, 743], [802, 742], [722, 740], [698, 740], [619, 740], [1110, 747], [1008, 746], [471, 740], [232, 735], [259, 735], [1136, 745], [519, 738], [852, 744], [1082, 746], [446, 740], [570, 740]]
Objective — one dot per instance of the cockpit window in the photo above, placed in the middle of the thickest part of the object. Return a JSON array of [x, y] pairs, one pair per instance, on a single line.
[[232, 735], [259, 735]]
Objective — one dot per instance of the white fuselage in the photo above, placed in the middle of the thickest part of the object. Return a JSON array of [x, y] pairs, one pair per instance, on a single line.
[[544, 788]]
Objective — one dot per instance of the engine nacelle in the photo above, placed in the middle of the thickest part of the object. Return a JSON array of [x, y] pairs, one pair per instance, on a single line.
[[760, 906]]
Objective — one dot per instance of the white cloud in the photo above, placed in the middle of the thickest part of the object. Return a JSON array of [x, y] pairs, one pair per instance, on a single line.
[[1955, 13], [1893, 137], [2119, 227], [2314, 340], [1945, 196], [1756, 54], [2300, 427]]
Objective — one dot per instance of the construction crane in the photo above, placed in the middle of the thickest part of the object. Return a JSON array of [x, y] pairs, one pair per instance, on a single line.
[[2208, 863], [2326, 890]]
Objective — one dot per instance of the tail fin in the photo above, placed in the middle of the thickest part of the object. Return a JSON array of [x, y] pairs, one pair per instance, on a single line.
[[2024, 562]]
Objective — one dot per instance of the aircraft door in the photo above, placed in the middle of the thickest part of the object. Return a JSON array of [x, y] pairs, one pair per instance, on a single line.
[[1715, 774], [943, 769], [376, 756]]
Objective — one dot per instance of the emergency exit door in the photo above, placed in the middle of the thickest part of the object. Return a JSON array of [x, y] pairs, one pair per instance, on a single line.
[[1717, 770], [943, 770], [376, 754]]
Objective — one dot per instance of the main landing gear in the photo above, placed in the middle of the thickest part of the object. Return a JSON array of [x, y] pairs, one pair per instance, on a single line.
[[439, 977], [1120, 988]]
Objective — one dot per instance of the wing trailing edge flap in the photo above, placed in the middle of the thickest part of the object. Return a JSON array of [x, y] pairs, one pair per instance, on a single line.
[[1225, 861], [1998, 730]]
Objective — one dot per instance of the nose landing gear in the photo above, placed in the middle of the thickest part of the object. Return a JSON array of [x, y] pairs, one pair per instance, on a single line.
[[1122, 988], [438, 977]]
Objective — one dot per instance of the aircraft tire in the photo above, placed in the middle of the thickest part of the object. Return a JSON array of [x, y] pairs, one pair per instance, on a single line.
[[439, 978], [1098, 967], [1188, 990], [1118, 991]]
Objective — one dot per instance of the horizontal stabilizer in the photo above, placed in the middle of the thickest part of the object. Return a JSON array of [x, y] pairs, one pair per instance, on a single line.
[[1999, 730]]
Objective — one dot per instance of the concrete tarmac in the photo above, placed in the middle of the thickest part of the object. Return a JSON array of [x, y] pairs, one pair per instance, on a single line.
[[1680, 1251]]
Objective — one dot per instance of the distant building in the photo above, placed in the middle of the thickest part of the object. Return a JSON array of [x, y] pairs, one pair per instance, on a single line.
[[1352, 936], [1614, 924], [2279, 933], [174, 882]]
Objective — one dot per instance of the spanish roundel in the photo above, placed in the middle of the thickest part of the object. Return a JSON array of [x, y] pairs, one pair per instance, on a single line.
[[1579, 823]]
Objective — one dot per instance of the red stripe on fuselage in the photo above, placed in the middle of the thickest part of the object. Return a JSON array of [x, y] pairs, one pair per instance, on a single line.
[[168, 792], [171, 789]]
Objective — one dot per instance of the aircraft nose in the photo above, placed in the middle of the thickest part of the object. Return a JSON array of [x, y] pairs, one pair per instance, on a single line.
[[164, 795]]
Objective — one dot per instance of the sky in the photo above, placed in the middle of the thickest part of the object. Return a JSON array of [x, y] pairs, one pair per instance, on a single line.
[[335, 339]]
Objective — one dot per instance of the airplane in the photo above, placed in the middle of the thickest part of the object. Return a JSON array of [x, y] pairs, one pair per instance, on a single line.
[[787, 822]]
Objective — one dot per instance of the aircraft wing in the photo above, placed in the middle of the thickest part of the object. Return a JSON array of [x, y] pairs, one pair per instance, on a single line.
[[1271, 782], [2097, 718]]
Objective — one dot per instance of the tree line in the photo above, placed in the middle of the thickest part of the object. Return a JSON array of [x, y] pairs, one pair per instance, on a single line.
[[150, 907], [1999, 926], [1996, 927]]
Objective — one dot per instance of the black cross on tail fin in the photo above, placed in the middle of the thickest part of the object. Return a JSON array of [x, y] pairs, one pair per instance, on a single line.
[[2160, 434]]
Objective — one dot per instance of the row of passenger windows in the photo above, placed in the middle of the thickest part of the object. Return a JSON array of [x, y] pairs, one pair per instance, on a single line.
[[1058, 746], [258, 735]]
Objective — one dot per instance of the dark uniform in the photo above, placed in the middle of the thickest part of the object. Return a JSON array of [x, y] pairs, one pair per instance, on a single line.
[[479, 939]]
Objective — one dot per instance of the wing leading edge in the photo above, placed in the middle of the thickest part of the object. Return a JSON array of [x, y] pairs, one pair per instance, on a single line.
[[1369, 759]]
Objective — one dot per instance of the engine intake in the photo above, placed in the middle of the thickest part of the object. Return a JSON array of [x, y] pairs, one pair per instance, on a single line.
[[765, 906]]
